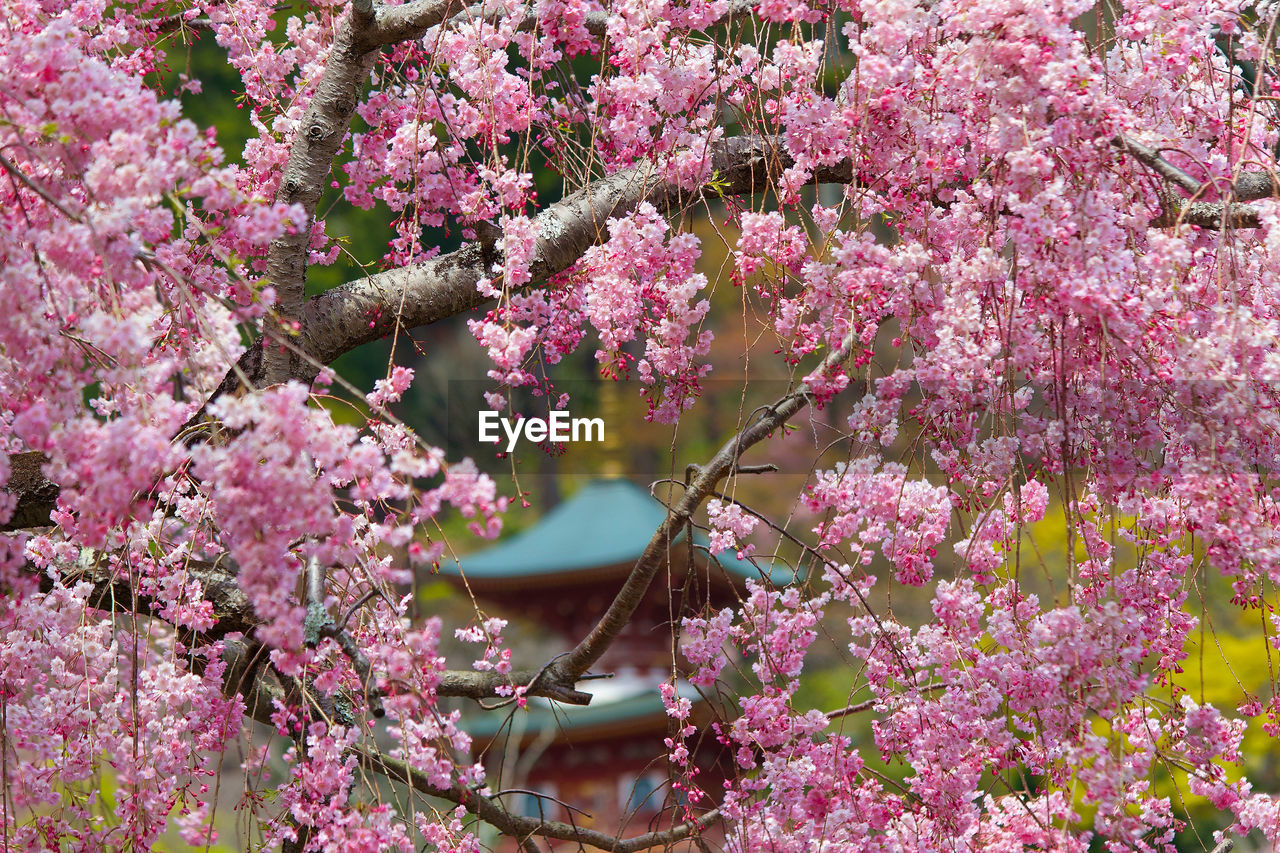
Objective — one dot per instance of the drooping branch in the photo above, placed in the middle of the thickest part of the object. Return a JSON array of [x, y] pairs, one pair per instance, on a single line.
[[705, 479], [234, 614], [521, 827]]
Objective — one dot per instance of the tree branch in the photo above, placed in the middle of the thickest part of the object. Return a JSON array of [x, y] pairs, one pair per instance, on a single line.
[[36, 496], [624, 604], [319, 625], [234, 614], [365, 310], [395, 24], [317, 140], [519, 826], [483, 685], [1211, 216], [248, 677], [1150, 157], [1249, 186]]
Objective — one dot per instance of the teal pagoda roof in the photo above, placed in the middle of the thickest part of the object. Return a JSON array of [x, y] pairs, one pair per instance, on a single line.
[[605, 523], [614, 706]]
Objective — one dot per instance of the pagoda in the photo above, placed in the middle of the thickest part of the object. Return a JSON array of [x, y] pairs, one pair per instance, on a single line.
[[562, 573]]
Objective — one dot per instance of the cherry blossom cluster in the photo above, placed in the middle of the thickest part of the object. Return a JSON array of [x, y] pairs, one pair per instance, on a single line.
[[1042, 330], [1060, 359], [76, 688], [641, 281], [907, 518], [730, 527]]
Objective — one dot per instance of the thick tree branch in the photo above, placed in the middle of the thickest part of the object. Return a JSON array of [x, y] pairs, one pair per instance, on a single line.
[[483, 685], [1212, 216], [35, 495], [1249, 186], [113, 592], [366, 310], [394, 24], [317, 140], [1151, 158]]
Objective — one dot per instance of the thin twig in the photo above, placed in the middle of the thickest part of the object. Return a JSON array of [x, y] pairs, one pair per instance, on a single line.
[[867, 705], [363, 600], [27, 182]]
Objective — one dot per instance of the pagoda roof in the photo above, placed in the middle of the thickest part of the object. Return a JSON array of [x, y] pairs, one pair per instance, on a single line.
[[606, 523], [632, 704]]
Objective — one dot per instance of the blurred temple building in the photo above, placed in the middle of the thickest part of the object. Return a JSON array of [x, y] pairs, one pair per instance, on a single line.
[[604, 758]]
